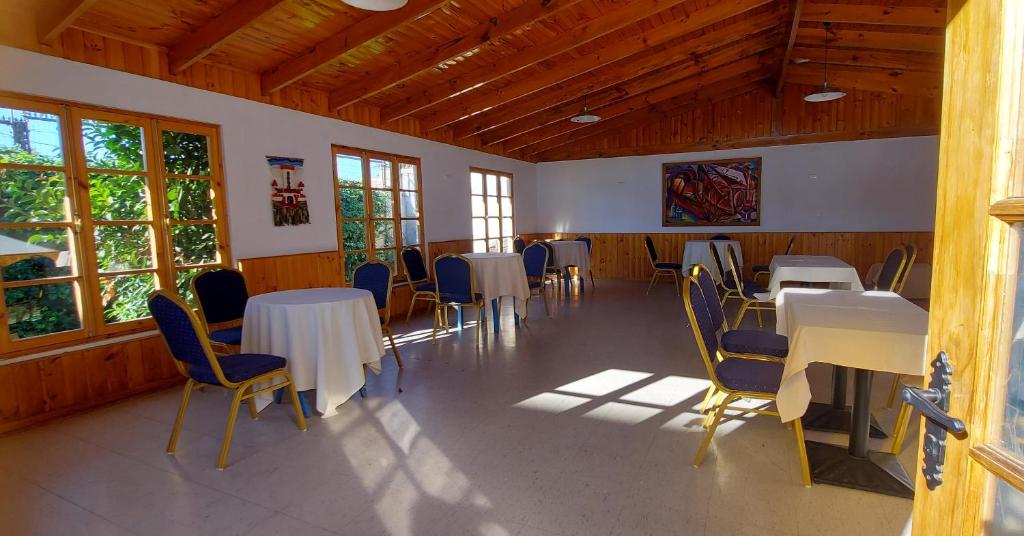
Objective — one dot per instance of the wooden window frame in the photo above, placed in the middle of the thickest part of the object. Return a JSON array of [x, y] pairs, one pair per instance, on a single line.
[[484, 172]]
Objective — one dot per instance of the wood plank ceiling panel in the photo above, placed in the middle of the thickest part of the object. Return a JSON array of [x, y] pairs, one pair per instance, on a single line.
[[162, 23]]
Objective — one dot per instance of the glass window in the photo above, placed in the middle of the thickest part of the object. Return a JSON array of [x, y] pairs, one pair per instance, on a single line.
[[491, 209]]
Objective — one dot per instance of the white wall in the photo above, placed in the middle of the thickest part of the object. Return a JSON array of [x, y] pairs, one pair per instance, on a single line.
[[250, 130], [870, 185]]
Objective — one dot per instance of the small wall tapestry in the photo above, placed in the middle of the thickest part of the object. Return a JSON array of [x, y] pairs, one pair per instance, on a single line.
[[711, 193], [287, 197]]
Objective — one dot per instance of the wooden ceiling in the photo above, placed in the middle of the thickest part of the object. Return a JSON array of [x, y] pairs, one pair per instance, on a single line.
[[506, 76]]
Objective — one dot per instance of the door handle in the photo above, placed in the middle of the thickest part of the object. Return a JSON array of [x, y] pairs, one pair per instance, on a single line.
[[933, 403]]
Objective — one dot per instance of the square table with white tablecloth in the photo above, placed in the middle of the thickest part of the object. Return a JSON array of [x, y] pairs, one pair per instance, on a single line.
[[571, 253], [699, 252], [327, 335], [812, 269], [499, 274]]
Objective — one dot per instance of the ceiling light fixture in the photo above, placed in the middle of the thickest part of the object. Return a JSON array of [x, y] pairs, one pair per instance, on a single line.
[[825, 93], [376, 5], [585, 115]]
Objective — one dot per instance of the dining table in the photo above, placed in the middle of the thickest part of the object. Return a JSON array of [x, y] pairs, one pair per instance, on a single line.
[[328, 335], [699, 252], [571, 253], [867, 332], [811, 269], [496, 275]]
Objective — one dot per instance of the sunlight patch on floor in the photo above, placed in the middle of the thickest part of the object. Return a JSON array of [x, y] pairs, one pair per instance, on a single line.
[[604, 382]]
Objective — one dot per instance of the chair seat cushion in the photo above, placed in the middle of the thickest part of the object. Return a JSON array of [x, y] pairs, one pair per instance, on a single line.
[[760, 268], [239, 367], [231, 336], [749, 375], [753, 291], [668, 266], [425, 287], [728, 282], [464, 298], [752, 341]]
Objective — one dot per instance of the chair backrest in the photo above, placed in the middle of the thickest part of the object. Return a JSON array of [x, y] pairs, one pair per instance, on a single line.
[[652, 253], [734, 267], [454, 277], [551, 252], [721, 237], [789, 246], [184, 335], [535, 259], [375, 276], [221, 294], [586, 240], [519, 245], [711, 296], [905, 274], [891, 269], [415, 268], [718, 261], [704, 330]]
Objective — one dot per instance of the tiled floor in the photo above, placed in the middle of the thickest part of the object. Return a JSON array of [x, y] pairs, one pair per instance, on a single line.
[[583, 423]]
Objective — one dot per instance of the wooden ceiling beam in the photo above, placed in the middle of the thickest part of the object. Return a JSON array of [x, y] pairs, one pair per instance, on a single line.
[[336, 46], [214, 33], [484, 33], [558, 103], [486, 98], [59, 17], [930, 16], [895, 59], [855, 36], [890, 81], [796, 6], [584, 33]]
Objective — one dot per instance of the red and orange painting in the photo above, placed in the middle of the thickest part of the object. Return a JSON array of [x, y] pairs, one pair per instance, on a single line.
[[712, 193]]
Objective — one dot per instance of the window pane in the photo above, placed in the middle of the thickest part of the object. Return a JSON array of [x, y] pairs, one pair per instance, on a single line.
[[407, 176], [492, 206], [506, 186], [1012, 436], [410, 232], [492, 184], [353, 235], [383, 204], [476, 183], [1007, 510], [350, 170], [479, 246], [351, 261], [194, 244], [494, 244], [122, 247], [190, 199], [34, 253], [506, 227], [383, 234], [124, 296], [380, 173], [387, 256], [506, 245], [112, 145], [184, 282], [506, 206], [30, 138], [41, 310], [493, 227], [353, 203], [31, 196], [186, 153], [479, 228], [478, 205], [410, 204], [117, 197]]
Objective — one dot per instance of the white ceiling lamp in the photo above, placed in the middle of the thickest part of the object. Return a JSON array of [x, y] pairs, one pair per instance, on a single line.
[[825, 93], [376, 5], [585, 115]]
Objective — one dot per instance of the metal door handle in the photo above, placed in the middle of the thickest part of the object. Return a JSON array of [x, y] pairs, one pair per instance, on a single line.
[[926, 401], [933, 403]]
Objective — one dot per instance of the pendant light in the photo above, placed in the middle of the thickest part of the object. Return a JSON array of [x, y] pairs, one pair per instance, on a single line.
[[825, 93], [376, 5], [585, 115]]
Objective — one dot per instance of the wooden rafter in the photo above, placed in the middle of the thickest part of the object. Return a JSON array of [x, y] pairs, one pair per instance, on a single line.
[[336, 46], [930, 16], [483, 33], [606, 59], [873, 36], [890, 81], [214, 33], [796, 6], [584, 33], [59, 17], [883, 59]]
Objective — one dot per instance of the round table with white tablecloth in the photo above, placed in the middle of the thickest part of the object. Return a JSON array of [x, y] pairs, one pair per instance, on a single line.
[[571, 253], [327, 335], [699, 252], [499, 274]]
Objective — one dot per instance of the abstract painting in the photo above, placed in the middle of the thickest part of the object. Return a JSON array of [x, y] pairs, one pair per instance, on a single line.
[[711, 193]]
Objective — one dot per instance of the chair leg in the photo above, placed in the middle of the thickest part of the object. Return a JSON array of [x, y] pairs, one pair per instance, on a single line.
[[547, 308], [716, 401], [741, 313], [653, 279], [679, 287], [894, 391], [801, 447], [899, 430], [412, 305], [760, 322], [229, 430], [437, 317], [592, 282], [711, 431], [251, 402], [480, 321], [172, 444], [391, 339], [712, 390]]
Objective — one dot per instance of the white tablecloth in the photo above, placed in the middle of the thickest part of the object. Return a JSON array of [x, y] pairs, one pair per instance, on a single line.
[[501, 274], [699, 252], [327, 334], [877, 331], [571, 253], [812, 269]]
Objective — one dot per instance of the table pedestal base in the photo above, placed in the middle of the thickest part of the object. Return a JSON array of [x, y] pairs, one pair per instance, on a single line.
[[824, 417], [879, 472]]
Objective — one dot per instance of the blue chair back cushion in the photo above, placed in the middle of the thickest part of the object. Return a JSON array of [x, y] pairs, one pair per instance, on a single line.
[[752, 341], [711, 297], [535, 260], [241, 367], [651, 252], [182, 339], [454, 277], [414, 266], [890, 270], [749, 375], [705, 325], [375, 277], [551, 253], [721, 267], [721, 237], [222, 295], [735, 263], [585, 240], [519, 245]]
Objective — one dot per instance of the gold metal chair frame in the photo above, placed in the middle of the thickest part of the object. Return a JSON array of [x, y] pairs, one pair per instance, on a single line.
[[726, 291], [541, 290], [244, 391], [659, 272], [789, 249], [719, 397], [556, 275], [481, 316], [385, 313], [219, 347], [754, 304], [695, 274], [910, 254], [589, 270], [899, 270], [425, 295]]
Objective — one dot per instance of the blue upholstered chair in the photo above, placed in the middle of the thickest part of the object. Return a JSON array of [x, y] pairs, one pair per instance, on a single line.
[[456, 287], [670, 269], [419, 279], [892, 270], [727, 283], [721, 237], [535, 260], [741, 343], [222, 295], [519, 245], [765, 269], [590, 249], [732, 379], [242, 373], [375, 276], [754, 296], [911, 256], [552, 271]]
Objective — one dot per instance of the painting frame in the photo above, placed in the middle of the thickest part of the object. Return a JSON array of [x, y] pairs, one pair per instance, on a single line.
[[667, 175]]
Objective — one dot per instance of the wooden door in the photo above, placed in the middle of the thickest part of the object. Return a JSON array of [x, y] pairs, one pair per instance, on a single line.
[[977, 313]]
